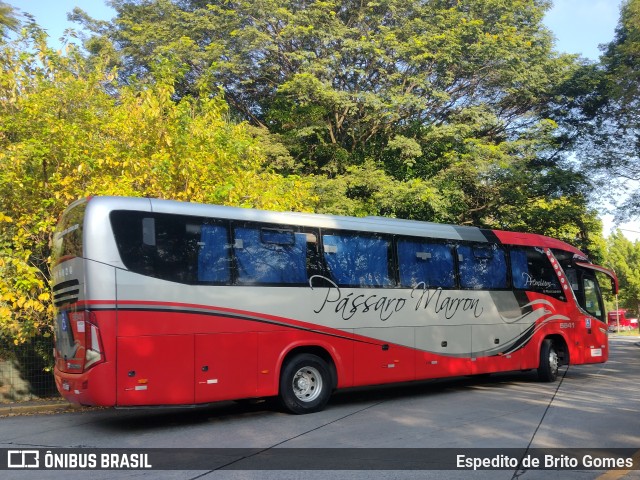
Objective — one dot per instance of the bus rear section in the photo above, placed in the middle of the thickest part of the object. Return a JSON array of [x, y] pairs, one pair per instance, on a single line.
[[84, 350], [83, 375]]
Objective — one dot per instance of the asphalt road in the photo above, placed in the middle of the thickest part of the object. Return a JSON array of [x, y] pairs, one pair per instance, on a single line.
[[591, 407]]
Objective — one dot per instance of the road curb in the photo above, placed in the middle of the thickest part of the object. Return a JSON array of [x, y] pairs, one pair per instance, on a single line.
[[36, 408]]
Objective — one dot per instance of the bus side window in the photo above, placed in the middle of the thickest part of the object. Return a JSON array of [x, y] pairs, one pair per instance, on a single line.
[[314, 259], [427, 263], [176, 246], [213, 256], [482, 267], [358, 260], [270, 256], [532, 270], [127, 228]]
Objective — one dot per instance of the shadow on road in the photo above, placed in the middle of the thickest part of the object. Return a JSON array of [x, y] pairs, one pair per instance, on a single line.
[[143, 419]]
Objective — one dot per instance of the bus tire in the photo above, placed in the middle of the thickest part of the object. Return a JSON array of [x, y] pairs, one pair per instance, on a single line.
[[305, 384], [548, 369]]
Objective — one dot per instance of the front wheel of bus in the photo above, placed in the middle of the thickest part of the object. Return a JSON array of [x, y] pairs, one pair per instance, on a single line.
[[548, 369], [305, 384]]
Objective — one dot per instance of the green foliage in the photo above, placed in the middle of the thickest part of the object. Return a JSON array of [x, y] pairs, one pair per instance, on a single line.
[[612, 132], [368, 190], [429, 110], [624, 257], [8, 19]]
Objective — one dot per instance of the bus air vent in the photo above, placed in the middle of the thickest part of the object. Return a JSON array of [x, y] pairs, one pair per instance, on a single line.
[[65, 293]]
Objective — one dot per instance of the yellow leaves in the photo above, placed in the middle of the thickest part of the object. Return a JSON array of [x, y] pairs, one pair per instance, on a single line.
[[29, 304], [20, 303], [67, 138], [25, 300]]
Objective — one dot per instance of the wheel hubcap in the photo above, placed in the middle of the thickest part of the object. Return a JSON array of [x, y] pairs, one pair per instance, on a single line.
[[553, 360], [307, 384]]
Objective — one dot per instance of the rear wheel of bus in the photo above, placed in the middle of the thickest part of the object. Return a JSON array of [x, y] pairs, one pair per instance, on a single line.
[[305, 384]]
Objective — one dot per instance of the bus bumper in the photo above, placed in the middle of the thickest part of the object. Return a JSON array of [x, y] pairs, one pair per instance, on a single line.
[[95, 387]]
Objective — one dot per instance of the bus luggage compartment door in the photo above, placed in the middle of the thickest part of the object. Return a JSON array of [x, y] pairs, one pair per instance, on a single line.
[[226, 366], [381, 361], [155, 370]]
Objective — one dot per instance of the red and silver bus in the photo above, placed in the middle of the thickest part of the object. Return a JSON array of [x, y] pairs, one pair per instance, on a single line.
[[169, 303], [618, 321]]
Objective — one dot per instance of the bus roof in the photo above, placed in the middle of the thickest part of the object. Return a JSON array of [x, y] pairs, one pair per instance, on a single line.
[[365, 224]]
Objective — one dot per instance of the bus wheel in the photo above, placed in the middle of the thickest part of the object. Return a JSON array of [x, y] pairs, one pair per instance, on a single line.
[[305, 384], [548, 369]]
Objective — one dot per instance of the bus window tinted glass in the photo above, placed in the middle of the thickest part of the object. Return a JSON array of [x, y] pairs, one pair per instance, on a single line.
[[482, 266], [358, 260], [213, 255], [172, 247], [532, 270], [265, 255], [426, 263]]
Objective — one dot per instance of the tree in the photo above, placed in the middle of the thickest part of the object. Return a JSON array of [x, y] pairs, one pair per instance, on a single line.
[[68, 131], [624, 258], [613, 130], [8, 19], [353, 80], [430, 110]]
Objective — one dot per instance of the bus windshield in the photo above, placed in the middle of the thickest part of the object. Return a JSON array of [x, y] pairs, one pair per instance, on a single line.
[[584, 284]]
